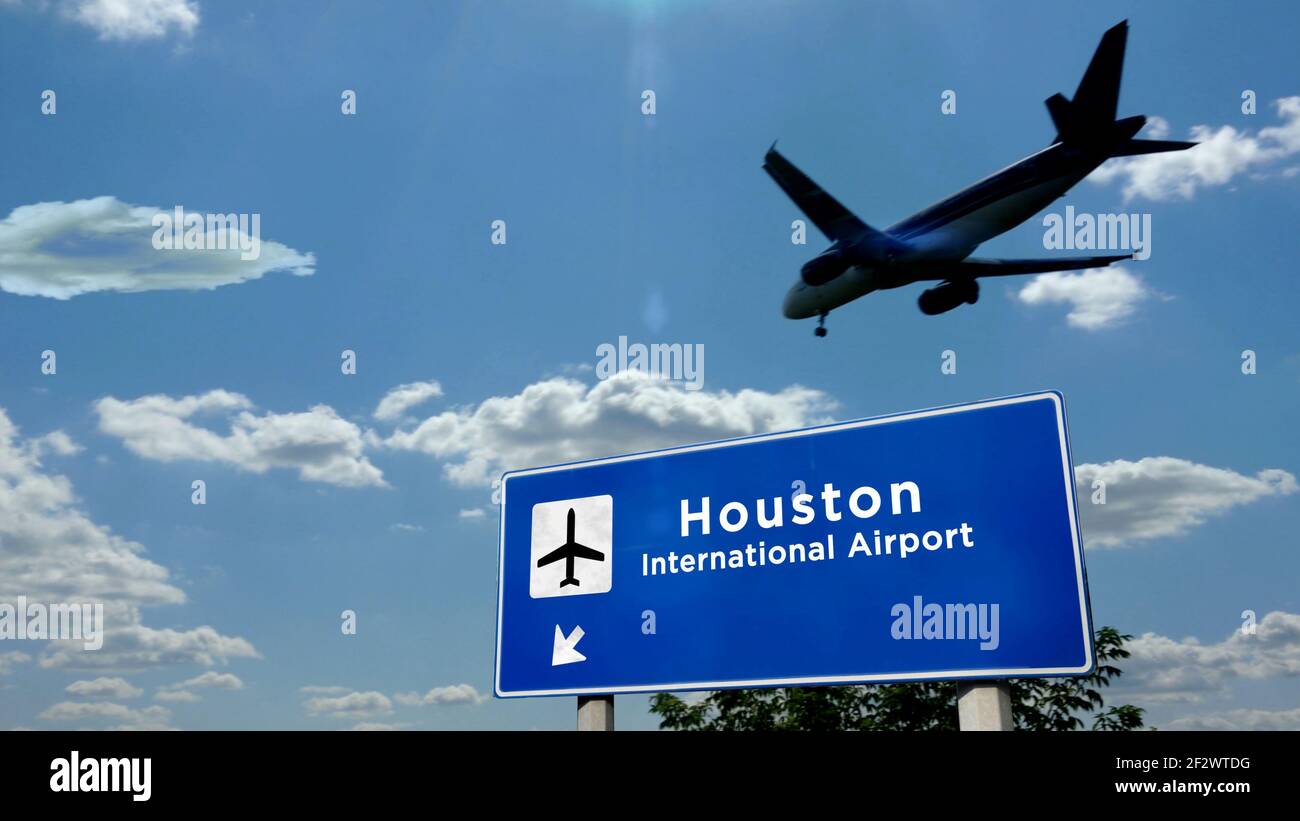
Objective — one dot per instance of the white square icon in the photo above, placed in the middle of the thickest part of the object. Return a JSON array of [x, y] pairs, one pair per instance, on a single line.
[[572, 547]]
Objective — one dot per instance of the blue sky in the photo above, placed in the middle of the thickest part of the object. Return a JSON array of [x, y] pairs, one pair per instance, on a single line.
[[660, 228]]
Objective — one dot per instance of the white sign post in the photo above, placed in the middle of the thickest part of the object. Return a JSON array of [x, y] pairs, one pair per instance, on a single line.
[[984, 705], [595, 713]]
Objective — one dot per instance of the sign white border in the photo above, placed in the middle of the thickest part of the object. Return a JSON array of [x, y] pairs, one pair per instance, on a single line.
[[1067, 468]]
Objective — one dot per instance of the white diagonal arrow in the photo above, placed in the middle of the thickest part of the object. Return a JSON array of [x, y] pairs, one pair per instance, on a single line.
[[563, 652]]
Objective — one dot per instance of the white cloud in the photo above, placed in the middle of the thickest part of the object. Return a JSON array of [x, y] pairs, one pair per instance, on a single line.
[[319, 690], [472, 513], [51, 552], [182, 691], [560, 420], [64, 249], [1157, 128], [56, 442], [1098, 297], [451, 694], [106, 688], [12, 659], [352, 705], [319, 444], [1165, 669], [134, 19], [403, 527], [378, 726], [135, 647], [1244, 719], [404, 397], [1160, 496], [1223, 154], [154, 717], [213, 679], [144, 725]]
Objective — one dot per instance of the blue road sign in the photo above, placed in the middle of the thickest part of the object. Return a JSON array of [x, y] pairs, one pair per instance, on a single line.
[[938, 544]]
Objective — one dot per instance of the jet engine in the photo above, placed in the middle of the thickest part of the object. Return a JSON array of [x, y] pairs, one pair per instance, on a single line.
[[947, 296]]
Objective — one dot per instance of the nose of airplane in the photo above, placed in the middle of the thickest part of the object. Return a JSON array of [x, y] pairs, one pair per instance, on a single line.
[[787, 305], [795, 304]]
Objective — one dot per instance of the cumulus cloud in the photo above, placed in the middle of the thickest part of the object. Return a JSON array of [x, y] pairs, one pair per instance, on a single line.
[[404, 397], [210, 679], [351, 705], [11, 659], [1223, 155], [64, 249], [50, 551], [1160, 496], [136, 647], [1098, 297], [146, 718], [376, 726], [561, 419], [1165, 669], [319, 690], [1157, 128], [451, 694], [106, 688], [56, 442], [134, 19], [182, 691], [1244, 719], [319, 444]]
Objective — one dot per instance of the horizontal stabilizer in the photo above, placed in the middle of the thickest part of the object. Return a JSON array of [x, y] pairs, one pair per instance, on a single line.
[[972, 267], [1059, 107], [1133, 147]]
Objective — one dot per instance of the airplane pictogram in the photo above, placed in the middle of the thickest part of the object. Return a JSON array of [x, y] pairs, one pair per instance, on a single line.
[[569, 551]]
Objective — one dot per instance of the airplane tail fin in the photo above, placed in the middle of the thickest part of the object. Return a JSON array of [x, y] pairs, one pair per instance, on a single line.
[[1089, 119], [1091, 113], [569, 581], [1097, 98]]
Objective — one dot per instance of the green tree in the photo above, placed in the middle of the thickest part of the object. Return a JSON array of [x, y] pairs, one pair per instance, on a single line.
[[1037, 704]]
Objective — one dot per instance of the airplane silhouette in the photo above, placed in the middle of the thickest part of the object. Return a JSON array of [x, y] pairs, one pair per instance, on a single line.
[[935, 245], [568, 551]]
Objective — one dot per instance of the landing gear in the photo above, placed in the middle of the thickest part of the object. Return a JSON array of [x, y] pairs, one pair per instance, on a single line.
[[821, 324]]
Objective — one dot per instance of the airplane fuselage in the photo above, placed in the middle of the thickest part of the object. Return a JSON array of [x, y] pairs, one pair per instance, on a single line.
[[950, 230]]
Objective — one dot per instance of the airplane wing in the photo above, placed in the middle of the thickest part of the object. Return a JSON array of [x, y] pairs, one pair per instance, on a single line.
[[554, 556], [831, 218], [584, 552], [973, 267]]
